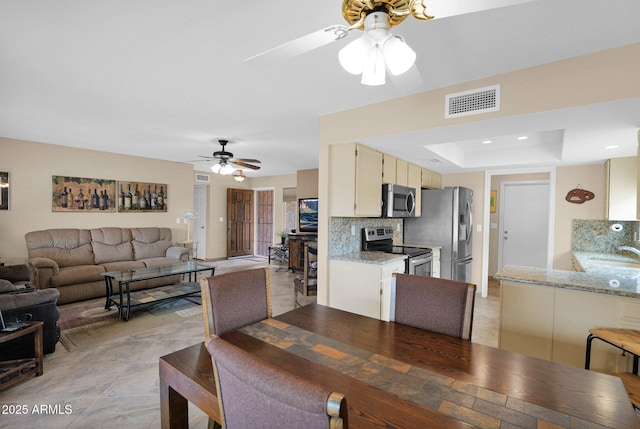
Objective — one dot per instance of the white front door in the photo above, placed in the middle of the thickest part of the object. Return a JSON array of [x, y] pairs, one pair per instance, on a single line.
[[200, 222], [524, 224]]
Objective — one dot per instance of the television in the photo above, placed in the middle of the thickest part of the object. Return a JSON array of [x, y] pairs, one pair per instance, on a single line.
[[308, 215]]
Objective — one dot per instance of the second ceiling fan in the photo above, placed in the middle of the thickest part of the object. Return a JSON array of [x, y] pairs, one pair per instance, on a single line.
[[226, 160]]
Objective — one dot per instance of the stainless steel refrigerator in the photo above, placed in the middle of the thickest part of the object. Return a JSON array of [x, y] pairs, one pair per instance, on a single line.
[[446, 220]]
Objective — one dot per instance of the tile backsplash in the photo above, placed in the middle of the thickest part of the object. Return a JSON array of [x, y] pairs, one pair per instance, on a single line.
[[590, 235], [342, 242]]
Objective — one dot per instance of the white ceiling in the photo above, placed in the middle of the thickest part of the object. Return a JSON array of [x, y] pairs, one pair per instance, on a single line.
[[165, 79]]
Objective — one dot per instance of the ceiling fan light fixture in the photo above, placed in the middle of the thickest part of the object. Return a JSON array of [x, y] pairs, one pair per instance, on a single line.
[[216, 168], [353, 56], [226, 169], [238, 175], [373, 73], [398, 56]]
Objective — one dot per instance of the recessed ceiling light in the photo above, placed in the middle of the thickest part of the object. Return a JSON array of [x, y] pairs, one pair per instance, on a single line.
[[611, 146], [523, 138], [486, 141]]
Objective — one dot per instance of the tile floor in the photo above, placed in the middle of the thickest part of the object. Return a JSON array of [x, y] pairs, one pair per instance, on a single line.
[[110, 379]]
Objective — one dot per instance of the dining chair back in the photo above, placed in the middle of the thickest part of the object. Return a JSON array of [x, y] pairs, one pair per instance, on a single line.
[[233, 300], [255, 394], [433, 304]]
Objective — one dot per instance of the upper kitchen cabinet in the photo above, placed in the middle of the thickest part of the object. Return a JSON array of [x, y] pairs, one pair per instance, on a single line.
[[431, 179], [355, 181], [388, 169], [402, 172], [621, 185], [414, 180]]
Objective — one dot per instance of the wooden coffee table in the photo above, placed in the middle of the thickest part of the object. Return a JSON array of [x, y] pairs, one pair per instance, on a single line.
[[127, 299]]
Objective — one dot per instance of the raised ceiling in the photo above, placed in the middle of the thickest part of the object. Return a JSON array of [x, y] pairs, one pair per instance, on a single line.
[[166, 79]]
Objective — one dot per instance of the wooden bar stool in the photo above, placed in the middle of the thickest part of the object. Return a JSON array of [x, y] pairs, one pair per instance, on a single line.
[[627, 340]]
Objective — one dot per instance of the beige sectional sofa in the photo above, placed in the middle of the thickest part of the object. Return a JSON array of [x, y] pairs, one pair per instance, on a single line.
[[73, 260]]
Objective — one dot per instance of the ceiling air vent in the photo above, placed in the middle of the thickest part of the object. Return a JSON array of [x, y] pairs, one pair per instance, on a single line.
[[202, 178], [473, 102]]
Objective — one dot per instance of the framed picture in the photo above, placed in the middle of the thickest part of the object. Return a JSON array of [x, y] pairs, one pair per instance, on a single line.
[[81, 194], [4, 190], [492, 201], [142, 197]]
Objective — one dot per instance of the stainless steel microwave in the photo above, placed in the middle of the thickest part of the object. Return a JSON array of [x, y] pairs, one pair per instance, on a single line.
[[398, 201]]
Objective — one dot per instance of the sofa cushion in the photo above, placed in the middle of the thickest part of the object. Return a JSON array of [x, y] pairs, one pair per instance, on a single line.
[[67, 247], [123, 265], [150, 242], [78, 274], [111, 244]]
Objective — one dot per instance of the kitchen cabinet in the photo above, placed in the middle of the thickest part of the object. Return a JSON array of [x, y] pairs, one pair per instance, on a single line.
[[431, 179], [414, 180], [402, 171], [553, 323], [362, 288], [355, 181], [621, 187], [388, 169]]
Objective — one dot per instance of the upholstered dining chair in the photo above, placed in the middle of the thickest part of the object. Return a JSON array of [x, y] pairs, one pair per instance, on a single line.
[[433, 304], [233, 300], [255, 394]]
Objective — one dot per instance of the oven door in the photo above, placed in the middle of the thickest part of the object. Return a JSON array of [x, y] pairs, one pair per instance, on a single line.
[[420, 265]]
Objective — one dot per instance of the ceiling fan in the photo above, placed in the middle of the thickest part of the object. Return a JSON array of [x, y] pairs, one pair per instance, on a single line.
[[374, 53], [225, 159]]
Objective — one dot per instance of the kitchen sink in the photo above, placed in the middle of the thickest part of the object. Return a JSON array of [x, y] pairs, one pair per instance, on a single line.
[[622, 264]]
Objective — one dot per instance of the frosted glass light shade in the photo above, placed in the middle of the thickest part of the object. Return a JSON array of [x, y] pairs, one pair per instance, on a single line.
[[216, 168], [398, 56], [352, 56], [226, 169], [374, 69]]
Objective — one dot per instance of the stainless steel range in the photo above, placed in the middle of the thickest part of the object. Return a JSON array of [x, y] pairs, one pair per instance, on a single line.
[[380, 239]]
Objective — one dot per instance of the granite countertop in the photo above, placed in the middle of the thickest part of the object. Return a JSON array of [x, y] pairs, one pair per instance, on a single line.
[[364, 257], [596, 277]]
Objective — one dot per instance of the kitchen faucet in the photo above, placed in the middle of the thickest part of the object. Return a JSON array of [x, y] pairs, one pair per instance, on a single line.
[[629, 249]]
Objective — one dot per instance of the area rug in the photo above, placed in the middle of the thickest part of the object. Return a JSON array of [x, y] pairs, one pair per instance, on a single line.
[[78, 319]]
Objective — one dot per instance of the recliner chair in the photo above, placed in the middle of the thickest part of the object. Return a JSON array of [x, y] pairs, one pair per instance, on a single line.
[[18, 298]]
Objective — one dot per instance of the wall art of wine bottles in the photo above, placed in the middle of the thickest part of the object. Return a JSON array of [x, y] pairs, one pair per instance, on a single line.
[[81, 194], [141, 197]]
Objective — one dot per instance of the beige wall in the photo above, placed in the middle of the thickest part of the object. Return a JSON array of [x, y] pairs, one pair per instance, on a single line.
[[595, 78], [31, 166], [589, 177], [307, 183]]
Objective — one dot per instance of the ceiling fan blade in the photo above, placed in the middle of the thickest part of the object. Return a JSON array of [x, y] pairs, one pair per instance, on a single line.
[[299, 46], [255, 161], [245, 165]]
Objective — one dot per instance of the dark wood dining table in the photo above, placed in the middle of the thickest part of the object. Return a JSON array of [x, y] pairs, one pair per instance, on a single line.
[[396, 376]]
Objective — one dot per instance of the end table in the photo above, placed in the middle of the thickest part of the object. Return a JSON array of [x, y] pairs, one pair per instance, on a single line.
[[13, 371]]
